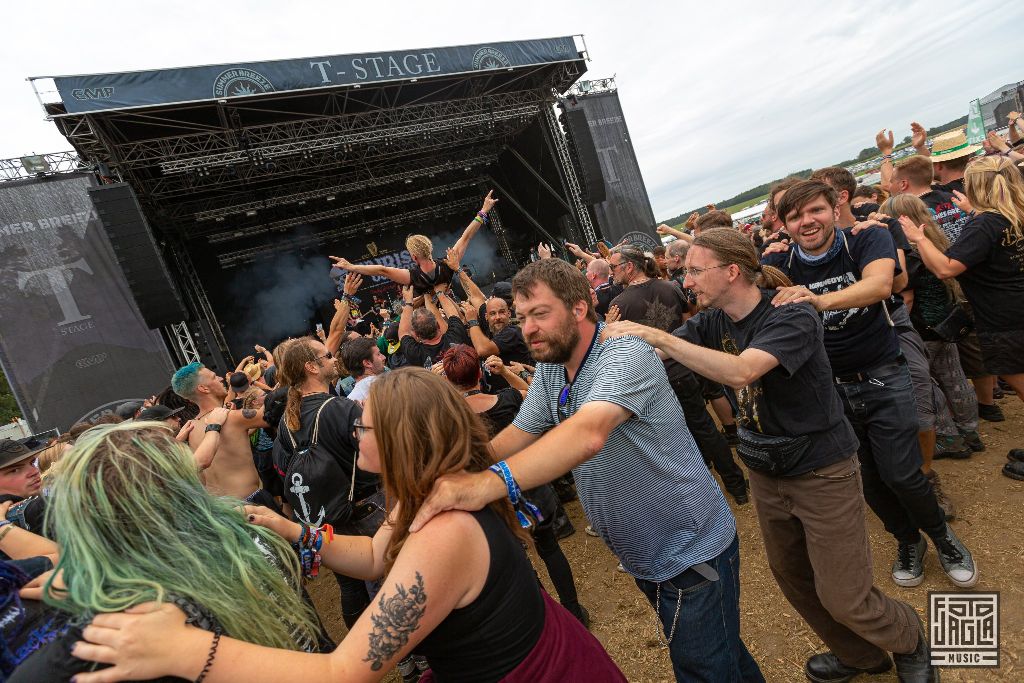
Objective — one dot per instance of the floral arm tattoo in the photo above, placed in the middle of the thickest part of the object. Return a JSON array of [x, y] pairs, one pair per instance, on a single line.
[[399, 616]]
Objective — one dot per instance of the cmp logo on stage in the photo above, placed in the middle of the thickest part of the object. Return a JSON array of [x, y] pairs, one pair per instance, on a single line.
[[490, 58], [239, 82]]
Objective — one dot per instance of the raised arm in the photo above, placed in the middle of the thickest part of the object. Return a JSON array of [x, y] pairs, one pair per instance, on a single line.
[[405, 322], [460, 247], [476, 297], [484, 346], [399, 275], [678, 234], [934, 260], [919, 139], [342, 310], [442, 323], [575, 250], [885, 144]]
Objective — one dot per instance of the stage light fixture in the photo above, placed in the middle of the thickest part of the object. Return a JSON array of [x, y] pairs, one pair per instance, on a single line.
[[35, 164]]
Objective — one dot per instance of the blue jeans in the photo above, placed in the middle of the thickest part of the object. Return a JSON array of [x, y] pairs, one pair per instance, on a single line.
[[706, 645], [883, 414]]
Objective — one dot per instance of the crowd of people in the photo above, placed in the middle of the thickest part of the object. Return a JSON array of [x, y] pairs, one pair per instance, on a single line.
[[417, 450]]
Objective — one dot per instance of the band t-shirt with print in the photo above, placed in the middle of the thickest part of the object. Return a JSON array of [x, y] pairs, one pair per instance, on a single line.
[[949, 217], [856, 339], [994, 280], [655, 303], [795, 398]]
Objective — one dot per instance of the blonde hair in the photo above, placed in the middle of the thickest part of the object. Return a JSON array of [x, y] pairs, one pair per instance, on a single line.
[[916, 210], [994, 185], [420, 246], [51, 455]]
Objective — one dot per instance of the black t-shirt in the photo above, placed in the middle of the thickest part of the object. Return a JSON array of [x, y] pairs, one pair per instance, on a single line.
[[793, 399], [994, 280], [321, 478], [605, 294], [950, 218], [425, 355], [856, 339], [511, 345], [864, 210], [423, 283], [895, 301], [932, 298], [655, 303], [501, 414], [950, 187]]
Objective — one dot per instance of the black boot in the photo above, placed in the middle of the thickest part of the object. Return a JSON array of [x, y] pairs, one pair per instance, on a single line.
[[916, 667], [826, 668]]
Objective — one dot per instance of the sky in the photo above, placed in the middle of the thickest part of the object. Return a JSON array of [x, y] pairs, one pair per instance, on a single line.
[[718, 96]]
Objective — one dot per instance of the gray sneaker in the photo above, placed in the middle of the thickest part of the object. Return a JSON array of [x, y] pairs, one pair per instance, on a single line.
[[908, 569], [956, 560]]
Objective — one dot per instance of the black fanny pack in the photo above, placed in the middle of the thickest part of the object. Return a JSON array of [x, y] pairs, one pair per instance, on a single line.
[[955, 326], [771, 455]]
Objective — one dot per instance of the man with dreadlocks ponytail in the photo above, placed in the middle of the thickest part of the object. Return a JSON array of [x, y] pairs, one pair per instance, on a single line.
[[135, 526], [801, 453], [315, 454]]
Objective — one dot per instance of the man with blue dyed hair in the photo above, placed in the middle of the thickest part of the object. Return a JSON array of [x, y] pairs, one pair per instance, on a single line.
[[219, 437]]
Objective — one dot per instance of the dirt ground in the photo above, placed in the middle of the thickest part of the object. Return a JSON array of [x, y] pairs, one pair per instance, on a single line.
[[990, 508]]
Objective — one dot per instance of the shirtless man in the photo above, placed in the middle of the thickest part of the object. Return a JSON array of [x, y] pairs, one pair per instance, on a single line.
[[225, 459]]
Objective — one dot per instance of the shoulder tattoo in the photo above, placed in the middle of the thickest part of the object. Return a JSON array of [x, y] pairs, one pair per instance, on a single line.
[[398, 616], [248, 413]]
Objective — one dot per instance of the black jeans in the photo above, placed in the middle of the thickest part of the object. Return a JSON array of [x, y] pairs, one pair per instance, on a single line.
[[555, 561], [884, 417], [710, 442]]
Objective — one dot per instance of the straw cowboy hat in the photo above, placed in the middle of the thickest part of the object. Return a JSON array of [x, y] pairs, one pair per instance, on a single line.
[[952, 145]]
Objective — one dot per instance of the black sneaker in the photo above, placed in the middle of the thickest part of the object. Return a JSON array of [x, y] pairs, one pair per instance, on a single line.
[[1014, 470], [908, 569], [826, 668], [740, 494], [1016, 454], [952, 447], [408, 671], [563, 527], [916, 667], [973, 441], [956, 560], [990, 412]]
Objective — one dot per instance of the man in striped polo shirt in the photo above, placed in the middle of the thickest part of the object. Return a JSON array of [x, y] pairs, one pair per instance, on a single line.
[[605, 410]]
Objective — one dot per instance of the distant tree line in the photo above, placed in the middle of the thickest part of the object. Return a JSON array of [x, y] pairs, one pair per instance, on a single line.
[[8, 406], [754, 192]]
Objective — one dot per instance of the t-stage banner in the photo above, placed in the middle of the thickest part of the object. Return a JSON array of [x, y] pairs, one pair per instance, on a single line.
[[72, 343], [190, 84]]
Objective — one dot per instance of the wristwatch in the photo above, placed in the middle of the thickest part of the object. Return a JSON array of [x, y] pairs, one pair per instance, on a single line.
[[213, 427]]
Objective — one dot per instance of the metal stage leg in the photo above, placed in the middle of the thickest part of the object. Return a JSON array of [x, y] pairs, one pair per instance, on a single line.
[[561, 147], [200, 304], [506, 196], [183, 344]]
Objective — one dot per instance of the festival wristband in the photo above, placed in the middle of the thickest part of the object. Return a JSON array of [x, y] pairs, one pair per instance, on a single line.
[[515, 494]]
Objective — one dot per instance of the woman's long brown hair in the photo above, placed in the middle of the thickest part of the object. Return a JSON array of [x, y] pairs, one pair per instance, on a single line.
[[425, 429]]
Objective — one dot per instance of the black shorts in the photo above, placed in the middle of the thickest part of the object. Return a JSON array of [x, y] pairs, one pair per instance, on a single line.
[[1002, 352], [969, 349]]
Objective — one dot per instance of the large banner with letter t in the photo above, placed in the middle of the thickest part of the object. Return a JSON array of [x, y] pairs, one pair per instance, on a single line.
[[72, 342]]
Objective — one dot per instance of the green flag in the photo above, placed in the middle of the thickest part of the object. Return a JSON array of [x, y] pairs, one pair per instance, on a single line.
[[975, 124]]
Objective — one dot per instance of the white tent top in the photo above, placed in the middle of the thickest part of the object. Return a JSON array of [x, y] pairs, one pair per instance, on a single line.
[[752, 212]]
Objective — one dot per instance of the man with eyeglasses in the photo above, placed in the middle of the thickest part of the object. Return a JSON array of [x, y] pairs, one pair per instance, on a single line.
[[605, 410], [661, 304]]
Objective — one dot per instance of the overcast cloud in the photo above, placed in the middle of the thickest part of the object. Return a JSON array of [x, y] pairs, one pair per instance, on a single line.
[[718, 96]]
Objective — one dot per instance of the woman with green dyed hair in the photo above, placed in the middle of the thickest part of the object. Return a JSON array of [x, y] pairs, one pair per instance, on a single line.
[[136, 525]]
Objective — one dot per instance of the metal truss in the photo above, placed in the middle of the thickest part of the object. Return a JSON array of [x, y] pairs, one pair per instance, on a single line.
[[386, 199], [179, 153], [197, 295], [360, 179], [181, 339], [220, 178], [499, 231], [582, 213], [235, 258], [58, 162]]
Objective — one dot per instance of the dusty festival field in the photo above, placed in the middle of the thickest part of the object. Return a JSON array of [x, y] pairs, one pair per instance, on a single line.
[[990, 509]]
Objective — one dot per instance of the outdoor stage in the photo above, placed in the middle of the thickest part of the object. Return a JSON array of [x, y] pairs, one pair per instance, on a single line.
[[250, 175]]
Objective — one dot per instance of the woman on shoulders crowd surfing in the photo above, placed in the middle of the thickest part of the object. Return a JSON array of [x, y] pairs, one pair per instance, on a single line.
[[845, 341]]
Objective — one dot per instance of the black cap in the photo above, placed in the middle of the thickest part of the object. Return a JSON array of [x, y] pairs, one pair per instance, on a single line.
[[13, 452], [127, 410], [239, 381], [157, 413]]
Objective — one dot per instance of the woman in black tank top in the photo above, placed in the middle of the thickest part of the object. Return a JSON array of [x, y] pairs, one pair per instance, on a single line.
[[460, 590]]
